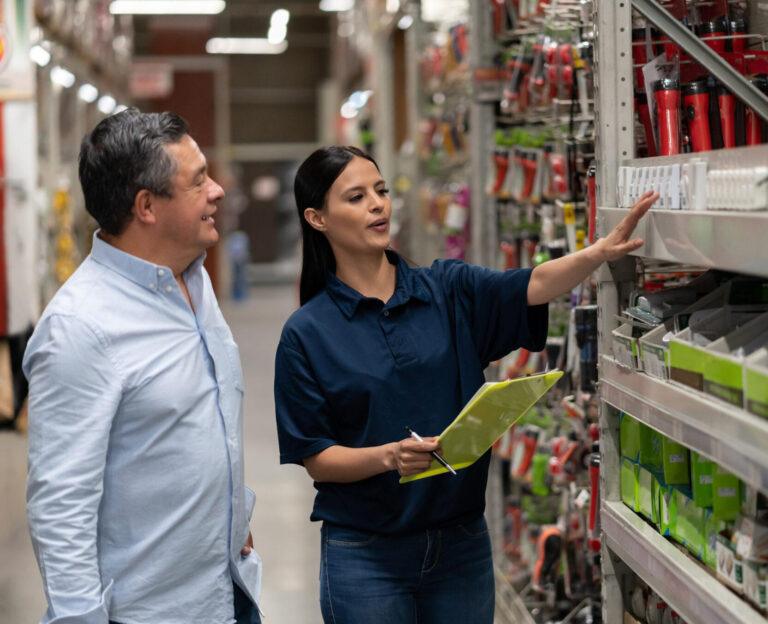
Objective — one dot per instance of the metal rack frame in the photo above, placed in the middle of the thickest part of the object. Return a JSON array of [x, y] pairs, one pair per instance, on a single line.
[[722, 432]]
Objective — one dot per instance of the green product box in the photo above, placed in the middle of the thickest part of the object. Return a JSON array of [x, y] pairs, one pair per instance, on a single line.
[[702, 475], [629, 437], [756, 383], [712, 527], [667, 509], [651, 452], [726, 494], [629, 484], [676, 462], [690, 524], [645, 490]]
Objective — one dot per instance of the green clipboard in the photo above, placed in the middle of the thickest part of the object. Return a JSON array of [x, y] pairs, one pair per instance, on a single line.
[[495, 408]]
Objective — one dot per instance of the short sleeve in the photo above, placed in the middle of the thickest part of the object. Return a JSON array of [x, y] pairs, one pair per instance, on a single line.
[[495, 304], [303, 424]]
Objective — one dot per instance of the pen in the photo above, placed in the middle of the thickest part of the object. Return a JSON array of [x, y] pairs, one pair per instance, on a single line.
[[434, 454]]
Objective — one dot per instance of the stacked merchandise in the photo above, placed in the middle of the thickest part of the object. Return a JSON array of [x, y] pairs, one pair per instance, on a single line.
[[443, 140], [682, 108], [699, 504], [549, 552]]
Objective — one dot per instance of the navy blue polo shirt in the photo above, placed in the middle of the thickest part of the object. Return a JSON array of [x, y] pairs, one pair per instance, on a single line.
[[353, 371]]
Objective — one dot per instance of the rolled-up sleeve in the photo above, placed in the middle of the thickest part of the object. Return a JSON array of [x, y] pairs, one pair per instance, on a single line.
[[496, 303], [303, 425], [75, 390]]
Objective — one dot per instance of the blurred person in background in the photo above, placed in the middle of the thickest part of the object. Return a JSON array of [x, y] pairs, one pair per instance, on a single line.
[[378, 346], [135, 496]]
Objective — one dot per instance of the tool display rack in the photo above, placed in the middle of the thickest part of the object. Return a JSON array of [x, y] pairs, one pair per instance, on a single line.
[[726, 240]]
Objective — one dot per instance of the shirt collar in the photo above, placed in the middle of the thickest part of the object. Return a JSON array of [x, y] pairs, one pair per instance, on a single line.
[[407, 287], [150, 276]]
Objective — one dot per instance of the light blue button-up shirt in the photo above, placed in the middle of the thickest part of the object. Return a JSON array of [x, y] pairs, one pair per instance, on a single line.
[[135, 495]]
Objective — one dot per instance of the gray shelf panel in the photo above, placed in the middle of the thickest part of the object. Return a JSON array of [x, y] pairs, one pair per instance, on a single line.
[[733, 438], [731, 241], [678, 578]]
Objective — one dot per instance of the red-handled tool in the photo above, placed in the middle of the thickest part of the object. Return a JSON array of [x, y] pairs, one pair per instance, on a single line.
[[644, 114], [754, 123], [525, 451], [667, 94], [738, 30], [714, 34], [501, 160], [727, 105], [696, 107], [594, 503], [548, 550]]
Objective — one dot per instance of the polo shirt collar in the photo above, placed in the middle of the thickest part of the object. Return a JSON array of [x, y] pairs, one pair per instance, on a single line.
[[146, 274], [407, 287]]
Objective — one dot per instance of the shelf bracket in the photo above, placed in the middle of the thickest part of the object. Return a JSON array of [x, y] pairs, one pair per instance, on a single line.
[[704, 55]]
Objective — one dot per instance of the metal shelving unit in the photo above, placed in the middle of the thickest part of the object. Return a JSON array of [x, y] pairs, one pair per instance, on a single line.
[[725, 240], [674, 575]]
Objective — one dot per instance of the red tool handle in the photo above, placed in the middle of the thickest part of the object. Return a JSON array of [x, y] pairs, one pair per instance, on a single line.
[[727, 103], [644, 113], [667, 94], [501, 160], [594, 503], [696, 104]]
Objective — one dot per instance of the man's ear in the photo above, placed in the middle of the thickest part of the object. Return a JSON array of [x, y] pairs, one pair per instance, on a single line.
[[315, 218], [145, 207]]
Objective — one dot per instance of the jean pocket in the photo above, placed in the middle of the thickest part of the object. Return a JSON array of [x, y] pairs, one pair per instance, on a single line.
[[475, 528], [348, 538]]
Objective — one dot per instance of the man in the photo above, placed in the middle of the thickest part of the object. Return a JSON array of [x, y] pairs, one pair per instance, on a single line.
[[136, 502]]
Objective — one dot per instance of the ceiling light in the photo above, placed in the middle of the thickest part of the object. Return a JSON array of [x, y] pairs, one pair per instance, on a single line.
[[405, 22], [281, 16], [88, 93], [336, 5], [243, 45], [349, 110], [62, 77], [277, 33], [360, 98], [40, 55], [167, 7], [107, 104]]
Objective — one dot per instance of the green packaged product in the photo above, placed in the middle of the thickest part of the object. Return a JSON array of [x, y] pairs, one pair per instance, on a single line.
[[645, 490], [689, 529], [726, 494], [629, 484], [651, 452], [539, 474], [712, 527], [629, 437], [676, 462], [702, 474]]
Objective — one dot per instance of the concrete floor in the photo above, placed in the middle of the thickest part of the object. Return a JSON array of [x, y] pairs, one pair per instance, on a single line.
[[283, 535]]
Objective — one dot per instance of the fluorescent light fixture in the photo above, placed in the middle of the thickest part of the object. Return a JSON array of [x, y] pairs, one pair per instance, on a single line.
[[349, 110], [40, 55], [277, 33], [405, 22], [107, 104], [281, 16], [62, 77], [244, 45], [88, 93], [167, 7], [334, 6]]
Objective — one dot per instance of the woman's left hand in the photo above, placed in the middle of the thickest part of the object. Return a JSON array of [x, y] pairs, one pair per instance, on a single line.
[[617, 244]]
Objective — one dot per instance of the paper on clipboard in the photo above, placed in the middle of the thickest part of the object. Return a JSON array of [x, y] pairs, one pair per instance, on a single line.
[[493, 409]]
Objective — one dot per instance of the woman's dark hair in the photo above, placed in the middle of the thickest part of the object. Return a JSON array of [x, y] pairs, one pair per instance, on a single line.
[[124, 154], [314, 178]]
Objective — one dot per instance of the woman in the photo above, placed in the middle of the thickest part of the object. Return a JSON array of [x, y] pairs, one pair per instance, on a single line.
[[378, 346]]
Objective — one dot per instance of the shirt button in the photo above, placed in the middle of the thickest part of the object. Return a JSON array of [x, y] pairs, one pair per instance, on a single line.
[[386, 312], [161, 272], [153, 286], [168, 289]]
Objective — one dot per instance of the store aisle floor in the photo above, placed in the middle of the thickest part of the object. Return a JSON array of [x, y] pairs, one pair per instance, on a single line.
[[283, 535]]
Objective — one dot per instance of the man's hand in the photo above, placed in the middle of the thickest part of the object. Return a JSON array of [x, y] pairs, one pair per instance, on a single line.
[[617, 244], [248, 548], [411, 457]]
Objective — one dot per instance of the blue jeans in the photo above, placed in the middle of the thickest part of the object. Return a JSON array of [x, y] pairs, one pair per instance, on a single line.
[[245, 611], [442, 576]]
